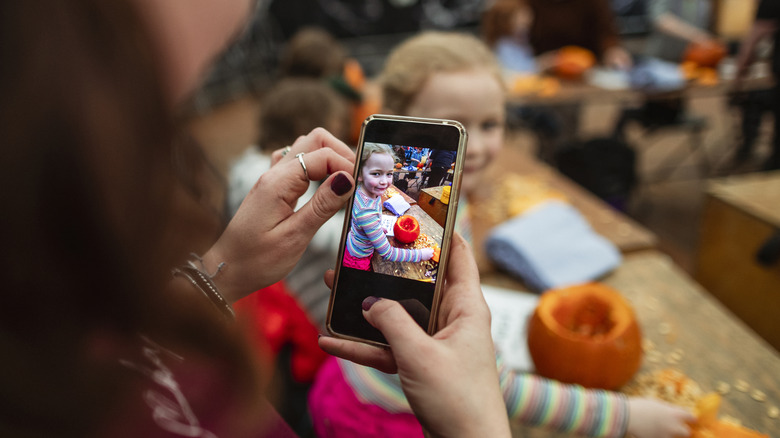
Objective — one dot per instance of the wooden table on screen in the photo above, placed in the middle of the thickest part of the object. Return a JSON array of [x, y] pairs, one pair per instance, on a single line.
[[430, 202], [422, 271]]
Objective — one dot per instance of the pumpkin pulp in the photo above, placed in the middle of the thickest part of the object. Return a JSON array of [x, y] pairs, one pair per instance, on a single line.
[[406, 229], [585, 334]]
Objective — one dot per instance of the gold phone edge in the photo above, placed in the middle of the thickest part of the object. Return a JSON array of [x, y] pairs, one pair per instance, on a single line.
[[446, 237]]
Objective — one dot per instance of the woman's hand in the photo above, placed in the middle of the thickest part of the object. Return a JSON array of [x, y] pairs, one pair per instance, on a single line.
[[648, 418], [450, 379], [266, 237]]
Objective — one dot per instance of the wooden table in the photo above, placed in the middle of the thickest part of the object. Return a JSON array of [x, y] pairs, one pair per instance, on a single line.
[[676, 314], [759, 77], [430, 201], [624, 232], [423, 271], [740, 216]]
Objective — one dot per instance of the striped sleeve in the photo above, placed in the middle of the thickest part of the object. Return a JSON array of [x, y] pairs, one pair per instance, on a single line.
[[369, 221], [536, 401]]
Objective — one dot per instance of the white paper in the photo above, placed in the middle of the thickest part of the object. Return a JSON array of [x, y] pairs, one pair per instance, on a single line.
[[510, 311], [388, 222]]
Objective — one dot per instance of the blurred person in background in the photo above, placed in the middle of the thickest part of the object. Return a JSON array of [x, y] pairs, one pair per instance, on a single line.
[[765, 26], [588, 24], [676, 24]]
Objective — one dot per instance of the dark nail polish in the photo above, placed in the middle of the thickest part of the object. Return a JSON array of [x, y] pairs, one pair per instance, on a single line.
[[340, 184], [368, 302]]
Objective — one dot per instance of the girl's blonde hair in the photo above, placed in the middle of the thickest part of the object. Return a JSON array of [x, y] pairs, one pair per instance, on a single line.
[[376, 148], [409, 65]]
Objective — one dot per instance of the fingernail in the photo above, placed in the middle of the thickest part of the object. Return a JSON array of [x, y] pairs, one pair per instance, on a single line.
[[368, 302], [340, 184]]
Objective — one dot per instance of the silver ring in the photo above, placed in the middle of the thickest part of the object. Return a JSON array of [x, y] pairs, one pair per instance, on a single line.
[[303, 165], [285, 150]]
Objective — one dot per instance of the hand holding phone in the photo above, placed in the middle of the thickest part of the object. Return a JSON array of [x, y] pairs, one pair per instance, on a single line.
[[450, 379], [397, 157]]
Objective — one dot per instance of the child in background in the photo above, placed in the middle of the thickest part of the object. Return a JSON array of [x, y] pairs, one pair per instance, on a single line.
[[455, 76], [366, 235], [291, 108], [505, 27]]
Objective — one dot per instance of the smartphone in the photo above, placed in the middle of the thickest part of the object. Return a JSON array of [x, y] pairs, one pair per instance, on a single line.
[[407, 175]]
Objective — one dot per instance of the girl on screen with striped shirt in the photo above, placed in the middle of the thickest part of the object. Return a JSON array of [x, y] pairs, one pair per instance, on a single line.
[[366, 235]]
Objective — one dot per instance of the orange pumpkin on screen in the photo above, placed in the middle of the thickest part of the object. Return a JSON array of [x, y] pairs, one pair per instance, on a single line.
[[704, 55], [398, 165], [406, 229], [572, 62], [585, 334]]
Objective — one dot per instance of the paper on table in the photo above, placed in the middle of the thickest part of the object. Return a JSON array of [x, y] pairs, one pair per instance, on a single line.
[[388, 222], [510, 311]]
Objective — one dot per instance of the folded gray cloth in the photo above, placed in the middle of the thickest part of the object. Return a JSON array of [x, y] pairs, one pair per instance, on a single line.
[[551, 246], [656, 76], [397, 204]]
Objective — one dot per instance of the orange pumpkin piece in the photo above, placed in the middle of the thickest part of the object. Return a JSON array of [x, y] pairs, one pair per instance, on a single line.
[[585, 334], [706, 409], [725, 429], [436, 254], [705, 54], [398, 165], [690, 70], [709, 426], [708, 76], [572, 62]]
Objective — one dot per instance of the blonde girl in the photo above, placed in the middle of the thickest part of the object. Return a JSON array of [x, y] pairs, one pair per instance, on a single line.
[[455, 76], [366, 235]]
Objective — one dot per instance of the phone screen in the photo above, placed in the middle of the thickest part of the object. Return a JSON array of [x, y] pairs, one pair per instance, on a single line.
[[399, 223]]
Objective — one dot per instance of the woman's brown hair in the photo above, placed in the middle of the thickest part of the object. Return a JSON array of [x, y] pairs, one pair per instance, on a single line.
[[90, 190]]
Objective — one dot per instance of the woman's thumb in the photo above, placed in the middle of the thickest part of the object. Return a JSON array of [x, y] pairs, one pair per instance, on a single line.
[[393, 320]]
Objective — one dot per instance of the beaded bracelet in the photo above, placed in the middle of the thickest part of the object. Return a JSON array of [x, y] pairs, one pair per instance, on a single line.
[[205, 284]]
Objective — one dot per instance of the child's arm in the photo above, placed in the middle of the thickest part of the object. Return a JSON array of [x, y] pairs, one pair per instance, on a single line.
[[370, 222], [536, 401]]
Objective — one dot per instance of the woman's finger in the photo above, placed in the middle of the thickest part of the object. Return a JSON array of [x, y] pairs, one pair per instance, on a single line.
[[318, 138], [359, 353]]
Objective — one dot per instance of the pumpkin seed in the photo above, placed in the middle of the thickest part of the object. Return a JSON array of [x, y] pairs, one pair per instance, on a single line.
[[723, 388], [664, 328], [742, 386], [773, 412], [758, 395]]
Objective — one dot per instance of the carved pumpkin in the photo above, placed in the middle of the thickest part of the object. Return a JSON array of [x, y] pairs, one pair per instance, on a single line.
[[572, 61], [585, 334], [704, 55], [406, 229]]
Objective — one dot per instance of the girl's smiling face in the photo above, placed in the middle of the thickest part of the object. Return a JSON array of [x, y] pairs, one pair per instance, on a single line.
[[377, 174], [476, 99]]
